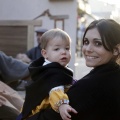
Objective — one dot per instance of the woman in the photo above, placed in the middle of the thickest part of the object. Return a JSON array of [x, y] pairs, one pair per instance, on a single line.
[[97, 95]]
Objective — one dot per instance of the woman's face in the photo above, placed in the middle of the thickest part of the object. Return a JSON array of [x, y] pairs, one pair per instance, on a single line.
[[94, 52]]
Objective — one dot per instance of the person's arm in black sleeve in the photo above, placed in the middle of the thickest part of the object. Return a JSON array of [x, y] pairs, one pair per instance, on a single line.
[[49, 114]]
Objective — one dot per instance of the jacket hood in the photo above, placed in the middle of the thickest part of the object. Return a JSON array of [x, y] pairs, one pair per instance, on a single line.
[[36, 68]]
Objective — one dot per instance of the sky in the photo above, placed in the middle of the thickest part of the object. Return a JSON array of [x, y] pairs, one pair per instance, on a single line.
[[117, 2]]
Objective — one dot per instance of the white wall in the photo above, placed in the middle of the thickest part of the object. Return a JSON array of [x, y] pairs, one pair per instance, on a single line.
[[29, 9], [100, 9]]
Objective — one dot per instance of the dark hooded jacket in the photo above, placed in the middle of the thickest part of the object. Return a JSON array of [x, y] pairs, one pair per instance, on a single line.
[[45, 78]]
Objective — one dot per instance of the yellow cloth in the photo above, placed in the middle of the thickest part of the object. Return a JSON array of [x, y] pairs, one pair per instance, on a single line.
[[44, 104], [54, 97]]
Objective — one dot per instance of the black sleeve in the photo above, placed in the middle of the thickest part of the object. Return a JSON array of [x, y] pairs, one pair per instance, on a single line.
[[81, 99], [29, 53], [12, 69], [49, 114]]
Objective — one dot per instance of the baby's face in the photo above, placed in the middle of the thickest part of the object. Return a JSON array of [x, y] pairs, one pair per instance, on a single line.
[[58, 51]]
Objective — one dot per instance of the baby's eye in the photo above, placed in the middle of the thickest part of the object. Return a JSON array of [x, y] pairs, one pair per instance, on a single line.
[[67, 48], [56, 49]]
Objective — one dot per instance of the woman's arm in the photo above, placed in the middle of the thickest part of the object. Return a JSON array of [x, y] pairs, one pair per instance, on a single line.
[[49, 114]]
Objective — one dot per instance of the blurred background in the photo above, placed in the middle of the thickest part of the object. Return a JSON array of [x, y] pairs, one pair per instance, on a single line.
[[19, 19]]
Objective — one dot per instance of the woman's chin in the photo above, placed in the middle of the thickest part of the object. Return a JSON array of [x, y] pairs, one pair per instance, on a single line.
[[90, 65]]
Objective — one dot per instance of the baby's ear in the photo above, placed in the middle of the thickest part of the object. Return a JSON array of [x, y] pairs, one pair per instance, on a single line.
[[43, 52]]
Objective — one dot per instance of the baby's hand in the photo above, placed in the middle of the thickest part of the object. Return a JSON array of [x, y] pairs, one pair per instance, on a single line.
[[64, 110]]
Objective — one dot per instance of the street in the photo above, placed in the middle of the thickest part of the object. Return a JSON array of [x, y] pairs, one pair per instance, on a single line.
[[80, 68]]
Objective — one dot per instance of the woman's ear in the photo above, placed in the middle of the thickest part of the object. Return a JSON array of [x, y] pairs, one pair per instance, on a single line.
[[43, 52], [116, 51]]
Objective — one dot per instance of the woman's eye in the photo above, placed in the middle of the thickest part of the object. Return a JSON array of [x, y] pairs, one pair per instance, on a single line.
[[85, 42], [97, 43]]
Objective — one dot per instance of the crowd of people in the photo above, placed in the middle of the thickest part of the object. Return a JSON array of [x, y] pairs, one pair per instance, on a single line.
[[54, 94]]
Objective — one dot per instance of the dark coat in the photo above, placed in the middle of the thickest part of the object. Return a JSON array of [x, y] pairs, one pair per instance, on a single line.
[[34, 53], [45, 78], [96, 96]]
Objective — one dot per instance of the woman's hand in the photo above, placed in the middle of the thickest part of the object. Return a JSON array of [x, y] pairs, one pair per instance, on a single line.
[[64, 110]]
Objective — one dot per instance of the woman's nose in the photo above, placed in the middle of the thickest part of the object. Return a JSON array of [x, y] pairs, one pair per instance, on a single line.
[[89, 47]]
